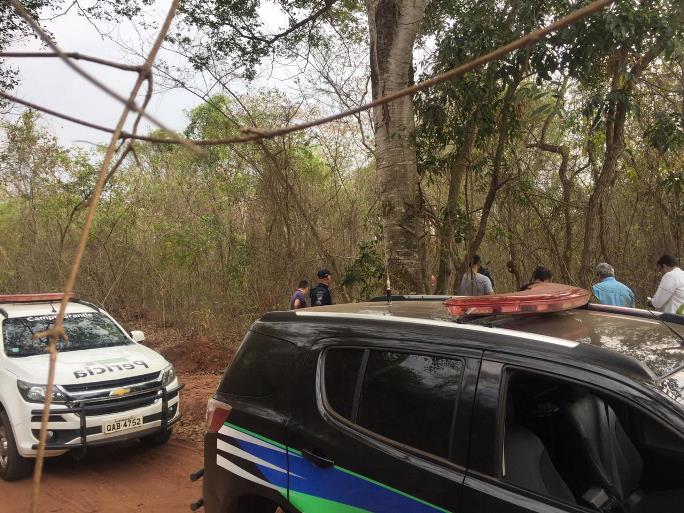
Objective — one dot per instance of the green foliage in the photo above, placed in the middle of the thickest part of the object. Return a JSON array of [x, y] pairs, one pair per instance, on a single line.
[[367, 270], [230, 234], [231, 31], [225, 235], [666, 132], [631, 26]]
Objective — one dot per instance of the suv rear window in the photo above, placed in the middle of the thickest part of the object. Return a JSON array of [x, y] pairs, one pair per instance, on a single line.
[[407, 398], [261, 366]]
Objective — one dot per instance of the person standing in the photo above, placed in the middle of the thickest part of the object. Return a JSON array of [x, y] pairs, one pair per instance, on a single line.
[[609, 291], [669, 297], [298, 299], [320, 294], [486, 272], [473, 282]]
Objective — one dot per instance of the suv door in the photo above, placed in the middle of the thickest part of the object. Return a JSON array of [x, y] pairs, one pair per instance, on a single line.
[[381, 427], [485, 487]]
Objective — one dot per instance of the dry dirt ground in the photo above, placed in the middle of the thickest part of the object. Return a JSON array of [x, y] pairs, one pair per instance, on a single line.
[[129, 478]]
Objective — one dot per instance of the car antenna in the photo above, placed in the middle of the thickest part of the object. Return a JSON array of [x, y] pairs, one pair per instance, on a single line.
[[388, 289], [53, 307]]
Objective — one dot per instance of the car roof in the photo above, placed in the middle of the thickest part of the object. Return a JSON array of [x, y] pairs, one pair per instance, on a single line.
[[34, 308], [624, 341]]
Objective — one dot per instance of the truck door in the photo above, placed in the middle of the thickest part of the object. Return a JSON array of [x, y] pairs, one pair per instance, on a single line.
[[381, 427]]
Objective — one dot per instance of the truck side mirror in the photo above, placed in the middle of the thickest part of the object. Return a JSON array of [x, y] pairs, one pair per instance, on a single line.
[[138, 336]]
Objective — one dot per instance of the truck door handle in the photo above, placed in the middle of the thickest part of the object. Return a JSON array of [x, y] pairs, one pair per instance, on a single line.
[[319, 461]]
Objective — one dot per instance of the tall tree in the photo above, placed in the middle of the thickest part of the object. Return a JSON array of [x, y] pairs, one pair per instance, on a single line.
[[393, 26], [231, 31]]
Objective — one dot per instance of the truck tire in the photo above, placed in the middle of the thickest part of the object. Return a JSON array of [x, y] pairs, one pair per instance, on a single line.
[[157, 438], [13, 466]]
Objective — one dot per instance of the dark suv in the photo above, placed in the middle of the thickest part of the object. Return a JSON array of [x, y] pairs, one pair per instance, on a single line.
[[395, 408]]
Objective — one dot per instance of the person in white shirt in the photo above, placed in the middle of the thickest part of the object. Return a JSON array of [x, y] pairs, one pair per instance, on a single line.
[[669, 297]]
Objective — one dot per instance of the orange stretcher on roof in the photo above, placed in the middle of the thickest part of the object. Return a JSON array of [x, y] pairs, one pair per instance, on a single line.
[[543, 297]]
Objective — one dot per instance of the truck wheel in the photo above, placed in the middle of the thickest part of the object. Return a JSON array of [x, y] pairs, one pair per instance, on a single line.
[[157, 438], [13, 466]]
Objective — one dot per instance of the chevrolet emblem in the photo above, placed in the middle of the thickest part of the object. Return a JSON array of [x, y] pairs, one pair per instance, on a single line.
[[118, 392]]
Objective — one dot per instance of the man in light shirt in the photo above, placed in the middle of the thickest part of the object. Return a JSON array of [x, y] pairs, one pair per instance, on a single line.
[[669, 297], [473, 282]]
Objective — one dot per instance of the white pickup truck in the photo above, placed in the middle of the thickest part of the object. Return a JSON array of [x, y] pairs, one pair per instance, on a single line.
[[108, 387]]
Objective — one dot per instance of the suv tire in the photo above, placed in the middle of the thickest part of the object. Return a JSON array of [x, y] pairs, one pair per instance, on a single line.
[[157, 438], [13, 466]]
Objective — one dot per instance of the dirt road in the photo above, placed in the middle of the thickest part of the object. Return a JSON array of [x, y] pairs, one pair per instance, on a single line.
[[128, 478], [114, 480]]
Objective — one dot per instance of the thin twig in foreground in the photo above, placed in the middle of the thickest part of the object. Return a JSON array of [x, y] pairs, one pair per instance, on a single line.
[[57, 331]]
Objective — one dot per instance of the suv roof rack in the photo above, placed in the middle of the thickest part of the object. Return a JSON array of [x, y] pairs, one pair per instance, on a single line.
[[637, 312], [411, 297]]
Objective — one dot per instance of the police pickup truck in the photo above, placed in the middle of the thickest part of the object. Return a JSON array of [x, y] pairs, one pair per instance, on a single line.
[[108, 387]]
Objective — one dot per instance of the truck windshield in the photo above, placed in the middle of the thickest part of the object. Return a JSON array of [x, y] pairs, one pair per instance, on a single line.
[[87, 330]]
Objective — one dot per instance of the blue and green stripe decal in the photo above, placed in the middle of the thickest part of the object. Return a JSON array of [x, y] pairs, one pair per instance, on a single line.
[[311, 489]]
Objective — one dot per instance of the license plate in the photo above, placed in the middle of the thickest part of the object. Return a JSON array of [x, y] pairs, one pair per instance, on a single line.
[[122, 425]]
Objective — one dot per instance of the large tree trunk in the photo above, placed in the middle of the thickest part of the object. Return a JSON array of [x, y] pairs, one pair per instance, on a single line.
[[393, 25]]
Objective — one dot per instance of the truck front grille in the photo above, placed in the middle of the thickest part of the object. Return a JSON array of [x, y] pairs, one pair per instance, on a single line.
[[121, 404], [114, 383]]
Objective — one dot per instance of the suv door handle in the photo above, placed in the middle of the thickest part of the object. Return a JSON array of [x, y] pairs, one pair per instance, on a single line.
[[319, 461]]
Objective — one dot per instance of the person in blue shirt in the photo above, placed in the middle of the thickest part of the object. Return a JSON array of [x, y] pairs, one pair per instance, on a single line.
[[609, 291]]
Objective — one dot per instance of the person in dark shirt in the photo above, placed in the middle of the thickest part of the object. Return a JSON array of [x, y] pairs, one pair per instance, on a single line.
[[320, 294], [298, 299]]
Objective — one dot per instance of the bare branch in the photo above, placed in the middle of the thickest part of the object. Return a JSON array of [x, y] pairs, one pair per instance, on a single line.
[[72, 55], [130, 103], [258, 133]]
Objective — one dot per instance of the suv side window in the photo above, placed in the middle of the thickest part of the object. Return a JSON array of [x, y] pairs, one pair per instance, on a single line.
[[408, 398]]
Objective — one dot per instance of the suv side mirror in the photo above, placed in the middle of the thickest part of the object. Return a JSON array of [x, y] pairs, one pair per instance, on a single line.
[[138, 336]]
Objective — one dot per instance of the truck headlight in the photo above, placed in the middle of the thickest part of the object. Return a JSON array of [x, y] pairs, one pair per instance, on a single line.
[[36, 393], [168, 376]]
